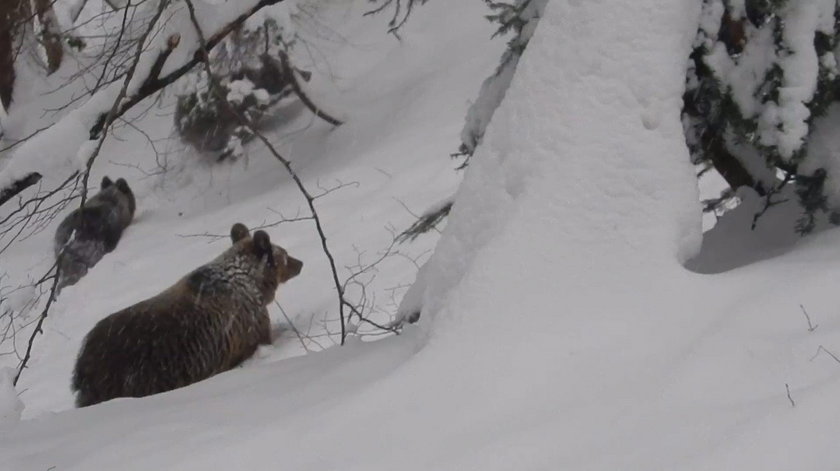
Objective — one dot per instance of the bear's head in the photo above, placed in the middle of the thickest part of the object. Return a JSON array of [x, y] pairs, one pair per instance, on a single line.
[[123, 190], [269, 263]]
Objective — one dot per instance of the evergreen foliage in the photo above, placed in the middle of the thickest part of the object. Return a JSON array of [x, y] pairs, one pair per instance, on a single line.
[[252, 71], [762, 82]]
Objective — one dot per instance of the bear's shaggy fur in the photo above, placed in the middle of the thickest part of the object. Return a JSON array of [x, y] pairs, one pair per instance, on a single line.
[[208, 322], [88, 233]]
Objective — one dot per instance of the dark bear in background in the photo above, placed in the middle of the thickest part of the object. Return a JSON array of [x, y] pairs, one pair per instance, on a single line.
[[88, 233], [208, 322]]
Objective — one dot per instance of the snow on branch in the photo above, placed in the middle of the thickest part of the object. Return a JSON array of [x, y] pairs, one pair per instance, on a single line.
[[153, 75], [19, 185]]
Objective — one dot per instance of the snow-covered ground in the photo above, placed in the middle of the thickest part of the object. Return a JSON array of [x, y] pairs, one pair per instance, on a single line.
[[559, 328], [388, 161]]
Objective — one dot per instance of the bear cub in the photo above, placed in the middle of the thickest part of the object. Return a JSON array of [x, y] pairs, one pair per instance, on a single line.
[[88, 233], [208, 322]]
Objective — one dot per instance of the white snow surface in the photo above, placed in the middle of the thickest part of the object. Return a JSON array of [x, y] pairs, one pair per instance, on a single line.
[[11, 406], [559, 327]]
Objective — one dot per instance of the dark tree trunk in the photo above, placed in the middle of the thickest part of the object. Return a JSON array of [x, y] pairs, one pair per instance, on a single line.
[[7, 65], [50, 35], [12, 19]]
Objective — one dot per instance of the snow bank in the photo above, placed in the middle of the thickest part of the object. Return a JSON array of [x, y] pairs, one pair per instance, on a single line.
[[583, 162]]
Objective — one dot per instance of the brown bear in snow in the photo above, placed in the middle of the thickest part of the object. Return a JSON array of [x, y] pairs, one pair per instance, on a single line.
[[208, 322], [89, 232]]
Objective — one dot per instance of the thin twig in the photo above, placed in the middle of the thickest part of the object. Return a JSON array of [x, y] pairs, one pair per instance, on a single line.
[[39, 326], [112, 114], [150, 86], [811, 327], [826, 351], [85, 176], [310, 200], [255, 228], [292, 325]]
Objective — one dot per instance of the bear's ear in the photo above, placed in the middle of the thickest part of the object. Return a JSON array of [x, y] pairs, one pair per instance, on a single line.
[[238, 232], [106, 182], [262, 246], [122, 185]]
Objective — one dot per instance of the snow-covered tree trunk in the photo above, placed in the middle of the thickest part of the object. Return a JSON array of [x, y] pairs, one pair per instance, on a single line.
[[50, 34], [521, 18], [585, 155]]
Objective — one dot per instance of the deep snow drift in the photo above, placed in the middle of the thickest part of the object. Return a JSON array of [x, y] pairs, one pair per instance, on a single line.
[[559, 328]]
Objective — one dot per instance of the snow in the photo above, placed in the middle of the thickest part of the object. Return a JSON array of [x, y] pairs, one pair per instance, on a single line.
[[10, 405], [374, 155], [710, 18], [238, 90], [800, 67], [73, 130], [493, 88], [559, 327], [746, 75], [783, 122]]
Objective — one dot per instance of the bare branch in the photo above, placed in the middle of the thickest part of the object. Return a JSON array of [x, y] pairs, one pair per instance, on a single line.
[[154, 84], [55, 271], [151, 85], [345, 308], [402, 10], [827, 352], [811, 327], [264, 225], [787, 388], [53, 275], [292, 325], [112, 114], [292, 78]]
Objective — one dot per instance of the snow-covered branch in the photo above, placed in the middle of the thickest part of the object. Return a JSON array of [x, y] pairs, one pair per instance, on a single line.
[[90, 120]]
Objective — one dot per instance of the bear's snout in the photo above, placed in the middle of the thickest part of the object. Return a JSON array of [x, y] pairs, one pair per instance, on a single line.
[[293, 266]]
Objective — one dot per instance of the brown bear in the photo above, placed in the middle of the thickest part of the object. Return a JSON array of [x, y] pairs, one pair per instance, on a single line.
[[208, 322], [89, 232]]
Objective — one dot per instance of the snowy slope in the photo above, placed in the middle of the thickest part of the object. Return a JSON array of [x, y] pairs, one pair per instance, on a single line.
[[560, 329], [391, 157]]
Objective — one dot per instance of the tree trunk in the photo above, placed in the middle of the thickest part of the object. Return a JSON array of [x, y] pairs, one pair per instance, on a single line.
[[7, 65], [13, 15], [50, 36]]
